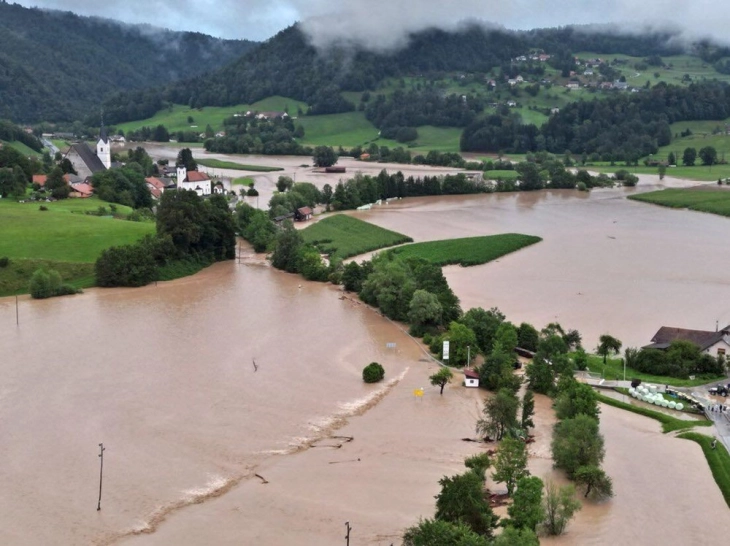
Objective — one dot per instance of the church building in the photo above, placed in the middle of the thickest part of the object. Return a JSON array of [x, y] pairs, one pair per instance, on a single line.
[[199, 182], [85, 161]]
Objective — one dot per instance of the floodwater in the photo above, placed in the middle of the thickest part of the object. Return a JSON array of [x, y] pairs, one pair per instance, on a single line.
[[605, 265], [203, 448]]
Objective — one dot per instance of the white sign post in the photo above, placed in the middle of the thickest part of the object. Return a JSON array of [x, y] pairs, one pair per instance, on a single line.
[[446, 350]]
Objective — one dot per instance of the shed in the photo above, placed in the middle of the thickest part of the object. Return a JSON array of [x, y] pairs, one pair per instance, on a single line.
[[471, 378], [302, 214]]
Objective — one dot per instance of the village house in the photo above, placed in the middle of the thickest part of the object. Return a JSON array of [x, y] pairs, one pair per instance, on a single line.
[[519, 79], [511, 103], [512, 82], [555, 110], [268, 115], [303, 214], [573, 85], [197, 181], [621, 86], [713, 343], [156, 186], [219, 188], [471, 378]]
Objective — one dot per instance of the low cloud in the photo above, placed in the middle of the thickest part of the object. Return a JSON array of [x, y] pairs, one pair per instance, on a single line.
[[385, 24]]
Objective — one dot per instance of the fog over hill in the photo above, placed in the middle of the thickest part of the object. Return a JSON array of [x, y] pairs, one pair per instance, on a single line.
[[383, 24]]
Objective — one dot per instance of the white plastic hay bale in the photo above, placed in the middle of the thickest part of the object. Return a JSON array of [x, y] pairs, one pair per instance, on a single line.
[[652, 389], [665, 404], [680, 406], [672, 405], [632, 390]]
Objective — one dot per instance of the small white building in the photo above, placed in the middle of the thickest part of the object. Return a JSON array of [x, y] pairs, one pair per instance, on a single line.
[[471, 378]]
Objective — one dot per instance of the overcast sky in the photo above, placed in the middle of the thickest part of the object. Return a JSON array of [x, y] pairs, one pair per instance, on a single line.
[[381, 24]]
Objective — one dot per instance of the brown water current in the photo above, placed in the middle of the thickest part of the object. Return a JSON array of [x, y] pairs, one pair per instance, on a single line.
[[203, 448]]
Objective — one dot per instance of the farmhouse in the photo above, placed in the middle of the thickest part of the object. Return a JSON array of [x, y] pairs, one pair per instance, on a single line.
[[713, 343], [194, 180], [303, 214], [156, 186]]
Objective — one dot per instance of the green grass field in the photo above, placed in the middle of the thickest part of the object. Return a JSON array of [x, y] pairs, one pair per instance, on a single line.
[[669, 423], [469, 250], [699, 173], [718, 459], [176, 118], [614, 369], [218, 164], [243, 181], [715, 201], [22, 148], [62, 238], [502, 175], [343, 236]]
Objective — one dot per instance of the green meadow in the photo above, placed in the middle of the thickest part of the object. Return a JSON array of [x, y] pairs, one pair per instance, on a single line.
[[22, 148], [467, 251], [219, 164], [614, 370], [63, 237], [342, 236], [705, 199]]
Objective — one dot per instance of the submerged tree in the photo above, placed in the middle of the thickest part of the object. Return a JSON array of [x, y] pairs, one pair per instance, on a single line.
[[440, 378], [560, 506], [500, 414], [511, 463], [596, 482]]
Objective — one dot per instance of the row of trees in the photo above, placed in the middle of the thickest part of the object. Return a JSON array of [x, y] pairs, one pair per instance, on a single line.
[[249, 135], [681, 359]]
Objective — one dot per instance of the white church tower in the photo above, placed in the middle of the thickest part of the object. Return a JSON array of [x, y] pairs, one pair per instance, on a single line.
[[103, 148]]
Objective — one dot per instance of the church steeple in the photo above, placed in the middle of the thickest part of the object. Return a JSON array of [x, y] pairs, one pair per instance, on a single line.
[[103, 147]]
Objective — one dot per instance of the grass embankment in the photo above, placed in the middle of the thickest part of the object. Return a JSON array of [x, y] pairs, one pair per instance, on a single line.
[[715, 201], [614, 370], [699, 173], [62, 238], [669, 423], [22, 148], [501, 174], [343, 236], [219, 164], [469, 250], [718, 459]]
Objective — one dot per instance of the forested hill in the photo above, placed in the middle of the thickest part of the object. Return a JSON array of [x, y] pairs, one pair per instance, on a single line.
[[57, 66], [287, 65]]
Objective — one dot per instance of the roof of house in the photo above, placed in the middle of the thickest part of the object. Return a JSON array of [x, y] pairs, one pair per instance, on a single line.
[[304, 211], [84, 189], [40, 179], [702, 338], [471, 374], [103, 136], [196, 176], [155, 182], [91, 160]]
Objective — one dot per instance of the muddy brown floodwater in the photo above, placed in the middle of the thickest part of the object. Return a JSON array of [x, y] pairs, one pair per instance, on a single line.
[[164, 376]]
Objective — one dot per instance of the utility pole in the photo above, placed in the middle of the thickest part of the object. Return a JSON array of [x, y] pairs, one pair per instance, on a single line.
[[101, 473], [468, 355], [347, 536], [17, 317]]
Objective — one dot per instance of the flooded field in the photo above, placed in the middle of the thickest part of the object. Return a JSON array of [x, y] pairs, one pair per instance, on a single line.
[[202, 447]]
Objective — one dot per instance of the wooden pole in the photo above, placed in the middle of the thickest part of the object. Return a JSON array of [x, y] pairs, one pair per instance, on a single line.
[[347, 536], [101, 473], [17, 317]]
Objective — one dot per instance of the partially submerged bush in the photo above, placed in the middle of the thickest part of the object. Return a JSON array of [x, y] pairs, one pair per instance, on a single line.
[[373, 372]]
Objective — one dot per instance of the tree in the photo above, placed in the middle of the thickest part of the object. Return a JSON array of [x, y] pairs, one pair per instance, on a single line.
[[284, 183], [607, 345], [286, 253], [479, 464], [540, 375], [708, 155], [528, 337], [672, 159], [576, 398], [528, 409], [689, 157], [484, 324], [324, 156], [511, 463], [507, 336], [499, 415], [185, 157], [436, 532], [577, 442], [424, 310], [440, 378], [662, 170], [580, 359], [181, 215], [560, 506], [516, 537], [595, 480], [373, 372], [57, 185], [527, 510], [462, 343], [461, 500]]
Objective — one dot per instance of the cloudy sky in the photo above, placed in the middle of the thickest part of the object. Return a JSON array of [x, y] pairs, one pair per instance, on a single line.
[[381, 24]]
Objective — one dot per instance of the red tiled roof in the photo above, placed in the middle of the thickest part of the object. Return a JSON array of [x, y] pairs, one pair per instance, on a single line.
[[304, 211], [84, 189], [155, 182], [197, 176], [471, 374], [40, 179]]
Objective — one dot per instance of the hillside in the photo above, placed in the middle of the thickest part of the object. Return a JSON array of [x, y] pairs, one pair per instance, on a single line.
[[57, 66], [286, 65]]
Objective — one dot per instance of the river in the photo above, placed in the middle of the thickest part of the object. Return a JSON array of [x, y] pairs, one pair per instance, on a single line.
[[164, 376]]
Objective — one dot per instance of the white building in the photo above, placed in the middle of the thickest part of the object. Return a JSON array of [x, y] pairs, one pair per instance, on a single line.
[[194, 180], [471, 378]]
